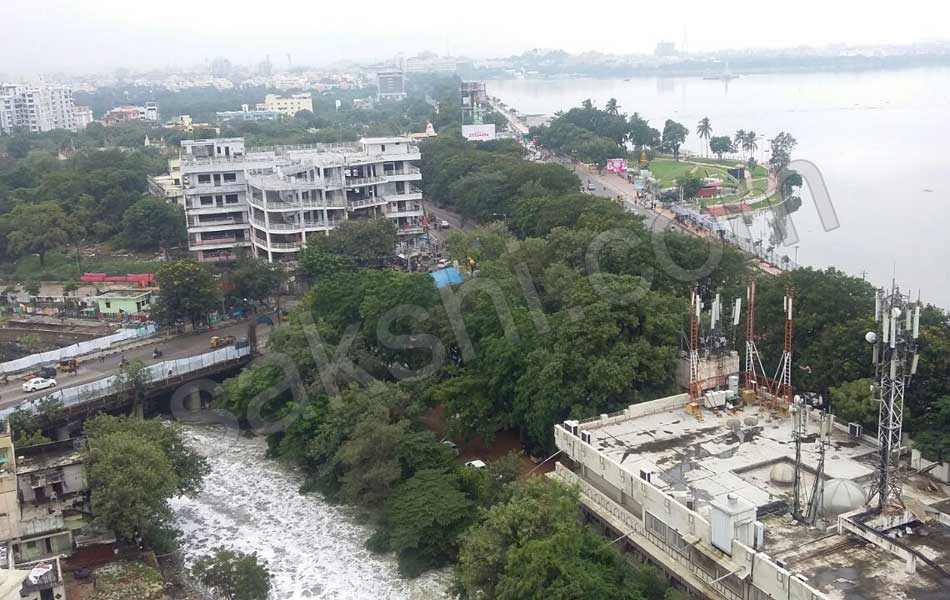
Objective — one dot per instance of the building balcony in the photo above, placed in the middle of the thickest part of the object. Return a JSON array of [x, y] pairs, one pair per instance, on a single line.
[[279, 246], [410, 174], [214, 224], [195, 208], [356, 182], [216, 243], [411, 230], [272, 205], [368, 202], [218, 258]]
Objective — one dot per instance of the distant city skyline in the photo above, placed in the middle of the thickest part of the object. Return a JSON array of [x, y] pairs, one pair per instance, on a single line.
[[101, 35]]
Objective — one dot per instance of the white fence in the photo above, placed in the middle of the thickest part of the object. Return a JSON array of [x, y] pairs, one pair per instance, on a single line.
[[166, 369], [102, 343]]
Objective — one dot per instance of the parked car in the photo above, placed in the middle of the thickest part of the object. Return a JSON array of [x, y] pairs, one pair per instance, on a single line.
[[444, 224], [38, 383], [476, 464]]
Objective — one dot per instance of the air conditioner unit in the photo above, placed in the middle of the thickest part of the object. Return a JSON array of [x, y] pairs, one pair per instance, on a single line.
[[646, 474], [855, 430], [571, 426], [759, 535], [585, 437]]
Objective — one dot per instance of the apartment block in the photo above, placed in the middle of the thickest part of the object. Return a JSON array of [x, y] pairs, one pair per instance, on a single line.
[[288, 105], [124, 114], [36, 108], [267, 202], [390, 85], [730, 506]]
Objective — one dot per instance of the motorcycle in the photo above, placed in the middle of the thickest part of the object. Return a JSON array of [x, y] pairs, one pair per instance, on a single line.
[[156, 353]]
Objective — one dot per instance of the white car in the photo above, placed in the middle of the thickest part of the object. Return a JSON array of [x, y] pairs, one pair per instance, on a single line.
[[476, 464], [38, 383]]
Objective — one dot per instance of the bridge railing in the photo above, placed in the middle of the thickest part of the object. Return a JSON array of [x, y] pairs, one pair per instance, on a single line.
[[102, 343], [165, 370]]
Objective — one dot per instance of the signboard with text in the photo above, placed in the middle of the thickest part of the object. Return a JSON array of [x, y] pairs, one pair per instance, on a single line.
[[479, 133], [616, 165]]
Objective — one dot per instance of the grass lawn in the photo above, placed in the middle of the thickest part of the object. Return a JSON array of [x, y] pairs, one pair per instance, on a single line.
[[60, 267], [667, 171], [758, 171]]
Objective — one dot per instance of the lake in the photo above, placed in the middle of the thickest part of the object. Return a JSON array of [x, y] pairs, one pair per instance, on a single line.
[[879, 139]]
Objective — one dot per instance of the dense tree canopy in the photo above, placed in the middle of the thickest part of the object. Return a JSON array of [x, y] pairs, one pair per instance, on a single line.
[[188, 293]]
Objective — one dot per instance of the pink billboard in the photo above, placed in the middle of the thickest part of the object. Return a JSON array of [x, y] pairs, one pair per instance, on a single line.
[[616, 165]]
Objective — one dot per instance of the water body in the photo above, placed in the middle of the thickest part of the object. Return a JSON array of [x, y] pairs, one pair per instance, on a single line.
[[879, 138], [314, 550]]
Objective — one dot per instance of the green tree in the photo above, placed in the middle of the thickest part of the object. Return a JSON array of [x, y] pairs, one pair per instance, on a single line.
[[674, 134], [750, 143], [611, 107], [37, 229], [252, 280], [704, 131], [188, 292], [153, 224], [641, 134], [690, 186], [365, 241], [782, 146], [131, 481], [234, 575], [853, 402], [424, 518], [934, 440], [190, 467], [720, 144]]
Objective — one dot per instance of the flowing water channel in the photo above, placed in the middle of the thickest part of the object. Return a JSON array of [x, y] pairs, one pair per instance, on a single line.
[[313, 549]]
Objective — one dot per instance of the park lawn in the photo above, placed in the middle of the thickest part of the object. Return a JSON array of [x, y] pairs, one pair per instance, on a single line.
[[667, 171], [758, 171], [760, 185]]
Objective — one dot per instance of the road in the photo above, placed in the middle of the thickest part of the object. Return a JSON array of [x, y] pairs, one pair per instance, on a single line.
[[92, 369]]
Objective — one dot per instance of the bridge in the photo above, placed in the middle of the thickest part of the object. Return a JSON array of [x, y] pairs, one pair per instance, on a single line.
[[114, 392]]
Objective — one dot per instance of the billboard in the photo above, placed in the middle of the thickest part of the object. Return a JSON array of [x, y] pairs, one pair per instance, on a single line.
[[616, 165], [479, 133]]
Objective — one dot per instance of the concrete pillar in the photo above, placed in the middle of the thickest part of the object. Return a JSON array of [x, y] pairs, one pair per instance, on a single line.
[[910, 565], [193, 401]]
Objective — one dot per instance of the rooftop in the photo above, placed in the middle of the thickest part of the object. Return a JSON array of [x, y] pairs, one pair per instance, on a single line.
[[53, 455], [124, 294], [750, 452]]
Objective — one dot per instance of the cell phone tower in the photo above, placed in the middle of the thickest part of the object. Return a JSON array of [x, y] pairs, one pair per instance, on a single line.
[[695, 384], [754, 373], [782, 382], [894, 354]]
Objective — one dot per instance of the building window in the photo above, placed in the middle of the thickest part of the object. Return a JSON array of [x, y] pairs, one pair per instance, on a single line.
[[108, 304], [206, 200], [230, 176], [231, 198], [204, 178], [656, 526]]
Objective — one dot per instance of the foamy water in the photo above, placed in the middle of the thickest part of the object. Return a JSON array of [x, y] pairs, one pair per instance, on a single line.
[[314, 550]]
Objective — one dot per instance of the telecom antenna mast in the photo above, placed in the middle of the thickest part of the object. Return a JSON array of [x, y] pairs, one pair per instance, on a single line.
[[753, 362], [695, 385], [894, 355], [783, 375]]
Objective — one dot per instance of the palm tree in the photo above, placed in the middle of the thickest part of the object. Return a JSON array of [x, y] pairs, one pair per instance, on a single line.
[[739, 140], [749, 144], [704, 130], [611, 107]]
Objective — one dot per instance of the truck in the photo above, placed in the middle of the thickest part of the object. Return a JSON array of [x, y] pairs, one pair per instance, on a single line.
[[219, 341]]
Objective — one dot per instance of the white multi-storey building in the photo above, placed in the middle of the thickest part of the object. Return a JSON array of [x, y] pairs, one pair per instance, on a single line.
[[269, 201], [288, 105], [36, 108]]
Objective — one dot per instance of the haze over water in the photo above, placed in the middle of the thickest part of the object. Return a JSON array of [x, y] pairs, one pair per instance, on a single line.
[[879, 138]]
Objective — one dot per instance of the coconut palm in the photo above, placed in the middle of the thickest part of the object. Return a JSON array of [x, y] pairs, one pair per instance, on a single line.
[[704, 130], [749, 143], [611, 107], [739, 140]]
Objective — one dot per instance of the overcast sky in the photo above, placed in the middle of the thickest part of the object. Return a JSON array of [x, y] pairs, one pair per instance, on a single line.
[[101, 35]]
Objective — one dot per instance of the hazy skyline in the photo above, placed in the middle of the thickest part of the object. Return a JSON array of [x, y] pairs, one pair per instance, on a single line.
[[101, 35]]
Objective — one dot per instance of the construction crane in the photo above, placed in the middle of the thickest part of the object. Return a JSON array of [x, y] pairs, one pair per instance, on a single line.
[[894, 354]]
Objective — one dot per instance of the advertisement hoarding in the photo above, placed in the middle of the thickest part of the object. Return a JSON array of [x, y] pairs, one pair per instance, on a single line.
[[617, 165], [479, 133]]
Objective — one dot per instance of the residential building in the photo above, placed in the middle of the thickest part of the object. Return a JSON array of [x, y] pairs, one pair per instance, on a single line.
[[709, 497], [268, 201], [390, 85], [474, 100], [123, 304], [288, 105], [124, 114], [246, 114], [36, 108], [44, 496], [84, 117]]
